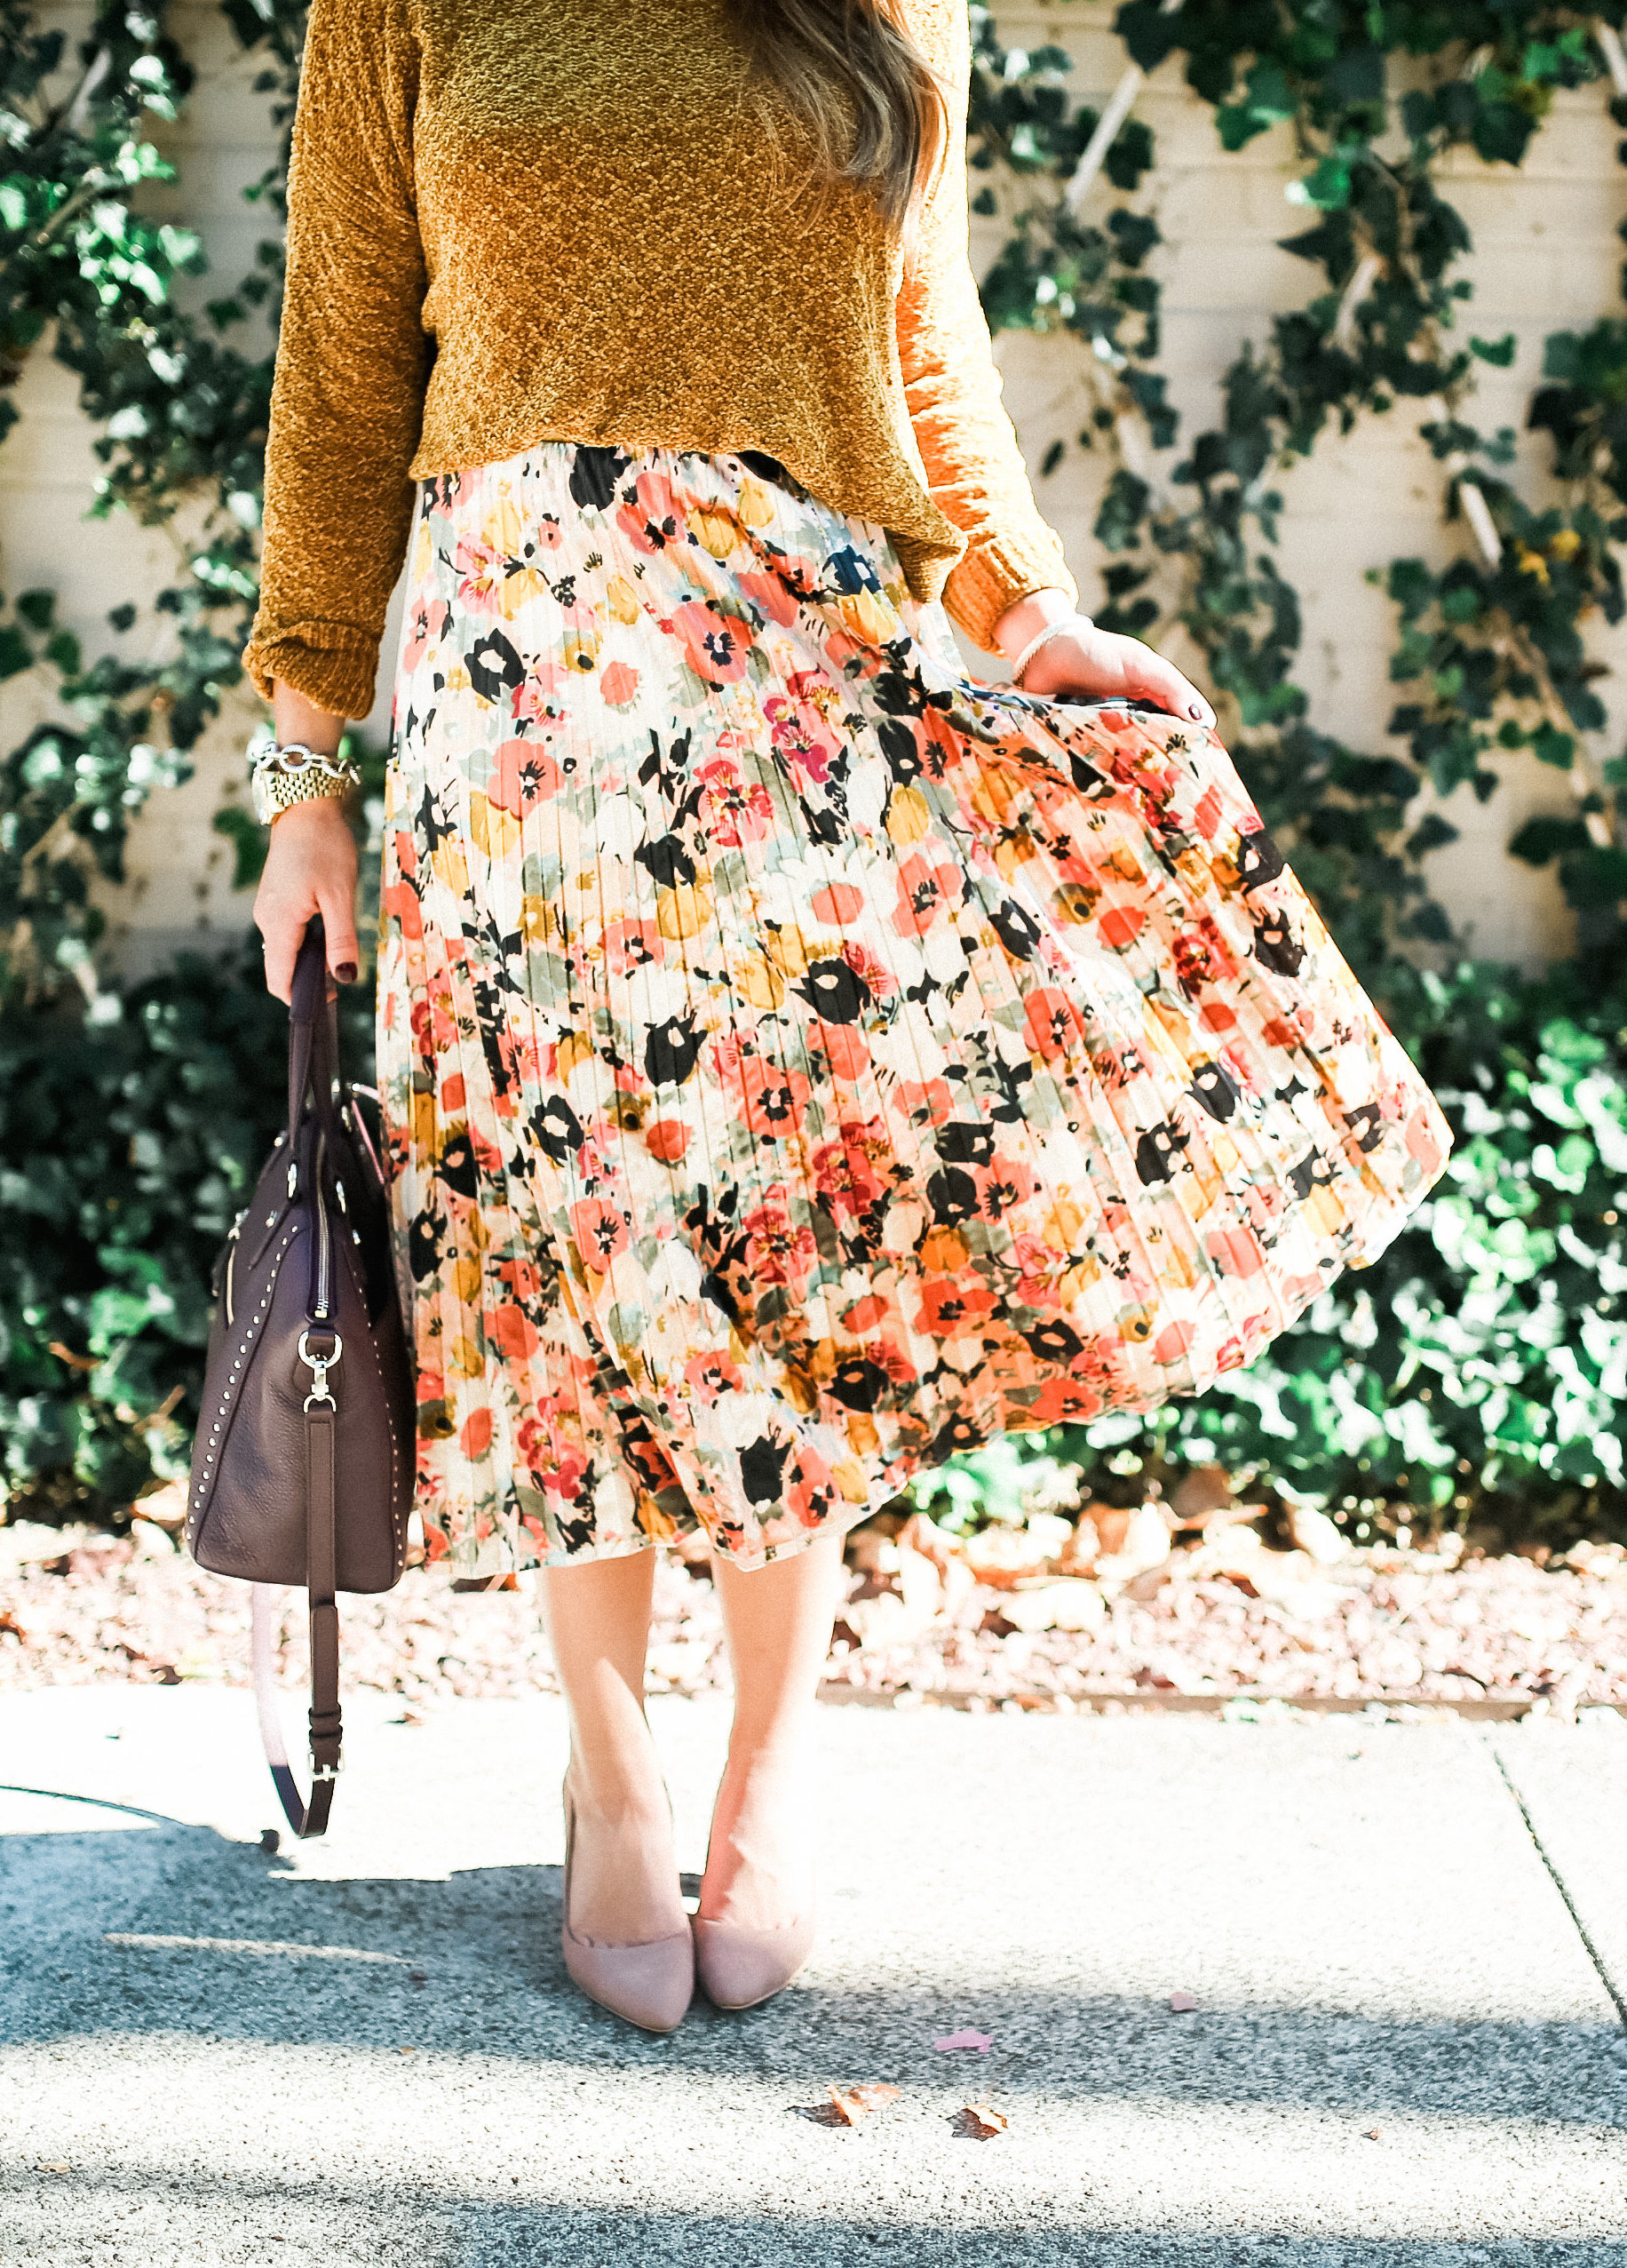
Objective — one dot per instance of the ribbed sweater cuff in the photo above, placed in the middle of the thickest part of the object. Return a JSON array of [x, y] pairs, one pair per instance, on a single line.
[[331, 664], [997, 572]]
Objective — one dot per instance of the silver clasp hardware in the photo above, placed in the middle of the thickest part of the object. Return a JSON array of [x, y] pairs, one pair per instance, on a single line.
[[319, 1366], [326, 1772]]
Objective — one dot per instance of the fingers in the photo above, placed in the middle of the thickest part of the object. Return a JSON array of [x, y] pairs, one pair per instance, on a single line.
[[283, 930], [1159, 681], [310, 868], [335, 899]]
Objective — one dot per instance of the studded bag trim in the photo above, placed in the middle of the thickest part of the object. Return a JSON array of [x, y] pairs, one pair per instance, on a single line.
[[303, 1464]]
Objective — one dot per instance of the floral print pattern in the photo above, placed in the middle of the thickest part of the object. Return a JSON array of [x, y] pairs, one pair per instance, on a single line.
[[801, 1061]]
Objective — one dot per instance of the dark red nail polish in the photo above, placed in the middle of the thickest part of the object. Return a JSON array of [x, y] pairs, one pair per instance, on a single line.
[[346, 972]]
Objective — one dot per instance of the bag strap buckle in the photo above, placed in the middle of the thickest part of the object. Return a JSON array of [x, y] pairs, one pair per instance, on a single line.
[[319, 1365]]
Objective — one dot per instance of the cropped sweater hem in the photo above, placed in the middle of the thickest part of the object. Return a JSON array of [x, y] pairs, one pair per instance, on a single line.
[[517, 220]]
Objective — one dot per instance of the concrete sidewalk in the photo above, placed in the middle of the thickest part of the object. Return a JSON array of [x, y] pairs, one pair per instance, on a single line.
[[365, 2051]]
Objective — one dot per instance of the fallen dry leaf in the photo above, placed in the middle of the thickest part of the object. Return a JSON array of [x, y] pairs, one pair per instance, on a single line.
[[1145, 1543], [1374, 2132], [1315, 1533], [53, 2168], [1002, 1557], [1067, 1604], [1183, 2003], [10, 1627], [1201, 1492], [981, 2041], [853, 2103], [985, 2121]]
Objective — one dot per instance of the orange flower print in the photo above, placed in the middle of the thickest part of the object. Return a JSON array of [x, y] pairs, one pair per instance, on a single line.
[[771, 596], [925, 1102], [844, 1176], [426, 623], [716, 645], [1052, 1022], [631, 944], [709, 1374], [600, 1231], [926, 892], [953, 1304], [650, 518], [525, 774], [727, 922]]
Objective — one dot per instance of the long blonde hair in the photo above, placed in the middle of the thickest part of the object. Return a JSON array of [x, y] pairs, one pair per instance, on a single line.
[[868, 97]]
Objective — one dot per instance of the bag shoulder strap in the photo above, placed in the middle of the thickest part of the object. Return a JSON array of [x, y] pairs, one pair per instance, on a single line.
[[313, 1063], [312, 1034], [327, 1723]]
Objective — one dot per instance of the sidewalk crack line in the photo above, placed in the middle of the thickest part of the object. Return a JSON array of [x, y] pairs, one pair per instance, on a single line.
[[1617, 1999]]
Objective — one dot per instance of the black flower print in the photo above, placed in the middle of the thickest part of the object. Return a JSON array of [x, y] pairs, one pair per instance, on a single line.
[[761, 1463], [1213, 1089], [494, 668], [1157, 1152], [965, 1145], [771, 1014], [836, 993], [593, 475], [671, 1051], [1276, 947]]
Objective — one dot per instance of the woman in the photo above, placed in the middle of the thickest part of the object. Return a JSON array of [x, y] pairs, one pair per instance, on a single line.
[[799, 1060]]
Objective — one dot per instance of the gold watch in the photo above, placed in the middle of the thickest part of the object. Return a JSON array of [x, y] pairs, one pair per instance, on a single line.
[[283, 773]]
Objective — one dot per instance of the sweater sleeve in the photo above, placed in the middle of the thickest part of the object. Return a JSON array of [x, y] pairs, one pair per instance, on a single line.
[[352, 361], [974, 468]]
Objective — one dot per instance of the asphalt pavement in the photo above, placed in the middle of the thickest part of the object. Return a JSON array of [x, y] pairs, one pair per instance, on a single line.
[[1407, 1943]]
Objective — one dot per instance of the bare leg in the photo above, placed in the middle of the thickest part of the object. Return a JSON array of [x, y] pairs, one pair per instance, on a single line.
[[625, 1887], [760, 1868]]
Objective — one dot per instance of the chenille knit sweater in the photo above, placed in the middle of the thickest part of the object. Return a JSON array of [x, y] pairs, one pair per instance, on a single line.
[[519, 221]]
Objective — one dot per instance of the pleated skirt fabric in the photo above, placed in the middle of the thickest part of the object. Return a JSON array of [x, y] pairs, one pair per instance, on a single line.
[[801, 1061]]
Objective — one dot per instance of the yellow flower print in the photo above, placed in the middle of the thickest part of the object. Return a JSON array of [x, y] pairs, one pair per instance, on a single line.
[[683, 911], [871, 615], [910, 816], [717, 532], [622, 599], [756, 505]]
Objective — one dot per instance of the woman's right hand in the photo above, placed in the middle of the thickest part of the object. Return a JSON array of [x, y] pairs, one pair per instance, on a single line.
[[310, 868]]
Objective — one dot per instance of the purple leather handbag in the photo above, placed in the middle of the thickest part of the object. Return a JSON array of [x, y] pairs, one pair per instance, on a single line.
[[302, 1470]]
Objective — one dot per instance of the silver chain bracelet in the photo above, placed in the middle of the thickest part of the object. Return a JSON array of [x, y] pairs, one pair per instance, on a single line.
[[282, 772], [1073, 622]]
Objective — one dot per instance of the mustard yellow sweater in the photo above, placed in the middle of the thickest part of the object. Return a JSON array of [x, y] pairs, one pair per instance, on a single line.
[[519, 221]]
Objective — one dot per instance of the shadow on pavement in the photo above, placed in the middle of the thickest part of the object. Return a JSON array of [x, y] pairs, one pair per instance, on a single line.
[[344, 2225], [469, 1965]]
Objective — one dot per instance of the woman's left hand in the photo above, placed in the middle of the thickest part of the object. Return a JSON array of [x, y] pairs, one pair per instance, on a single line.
[[1084, 662]]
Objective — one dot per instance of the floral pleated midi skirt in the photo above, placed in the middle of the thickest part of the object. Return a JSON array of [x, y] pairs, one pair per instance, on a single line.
[[800, 1061]]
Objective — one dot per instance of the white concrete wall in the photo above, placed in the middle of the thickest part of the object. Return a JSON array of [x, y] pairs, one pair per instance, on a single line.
[[1545, 256]]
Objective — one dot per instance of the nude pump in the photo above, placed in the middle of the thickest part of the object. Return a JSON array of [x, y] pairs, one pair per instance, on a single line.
[[650, 1985], [738, 1968]]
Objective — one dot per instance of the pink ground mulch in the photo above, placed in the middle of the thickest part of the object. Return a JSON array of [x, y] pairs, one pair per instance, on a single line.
[[1025, 1619]]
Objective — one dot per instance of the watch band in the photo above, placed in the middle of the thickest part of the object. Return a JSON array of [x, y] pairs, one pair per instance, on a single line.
[[283, 773]]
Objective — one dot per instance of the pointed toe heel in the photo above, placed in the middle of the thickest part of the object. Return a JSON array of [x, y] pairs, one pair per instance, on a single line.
[[650, 1985], [737, 1968]]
